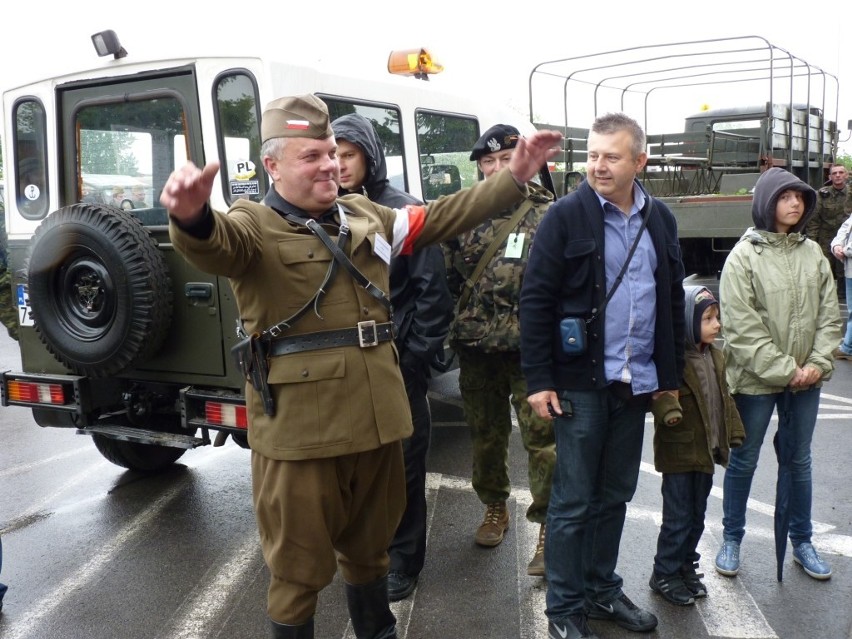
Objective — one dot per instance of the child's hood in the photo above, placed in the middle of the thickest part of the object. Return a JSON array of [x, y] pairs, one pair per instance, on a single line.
[[770, 185]]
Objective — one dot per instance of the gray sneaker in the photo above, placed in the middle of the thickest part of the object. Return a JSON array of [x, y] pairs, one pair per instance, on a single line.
[[728, 559], [808, 558]]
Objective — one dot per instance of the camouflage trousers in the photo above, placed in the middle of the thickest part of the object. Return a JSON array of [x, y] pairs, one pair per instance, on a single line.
[[489, 382], [8, 304]]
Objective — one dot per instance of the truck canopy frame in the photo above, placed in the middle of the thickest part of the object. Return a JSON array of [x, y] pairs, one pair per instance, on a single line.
[[795, 120]]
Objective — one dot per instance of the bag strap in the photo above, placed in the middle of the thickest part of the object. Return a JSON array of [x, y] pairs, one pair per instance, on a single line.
[[620, 276], [499, 238], [339, 255], [314, 302]]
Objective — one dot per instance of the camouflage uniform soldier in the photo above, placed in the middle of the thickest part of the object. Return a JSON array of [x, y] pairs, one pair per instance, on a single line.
[[834, 204], [8, 307], [486, 336]]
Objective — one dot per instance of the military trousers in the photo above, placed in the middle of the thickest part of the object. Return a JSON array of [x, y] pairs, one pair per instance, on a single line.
[[491, 384], [317, 515]]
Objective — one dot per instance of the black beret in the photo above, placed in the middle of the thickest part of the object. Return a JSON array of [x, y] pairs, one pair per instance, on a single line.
[[497, 138]]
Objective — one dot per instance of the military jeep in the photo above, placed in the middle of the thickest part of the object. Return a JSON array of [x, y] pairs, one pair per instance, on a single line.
[[120, 338]]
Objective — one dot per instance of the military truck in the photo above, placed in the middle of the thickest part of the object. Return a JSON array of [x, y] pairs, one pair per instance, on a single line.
[[120, 338], [706, 165]]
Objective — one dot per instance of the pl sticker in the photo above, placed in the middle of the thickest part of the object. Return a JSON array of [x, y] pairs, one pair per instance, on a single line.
[[244, 182]]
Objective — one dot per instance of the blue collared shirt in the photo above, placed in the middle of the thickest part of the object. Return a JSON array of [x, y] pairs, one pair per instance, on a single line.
[[631, 314]]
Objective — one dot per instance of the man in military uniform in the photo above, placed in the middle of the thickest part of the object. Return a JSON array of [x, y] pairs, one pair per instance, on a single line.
[[834, 203], [486, 337], [327, 466], [8, 305]]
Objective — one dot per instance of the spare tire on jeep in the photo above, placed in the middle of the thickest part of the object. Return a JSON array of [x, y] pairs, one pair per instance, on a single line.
[[99, 289]]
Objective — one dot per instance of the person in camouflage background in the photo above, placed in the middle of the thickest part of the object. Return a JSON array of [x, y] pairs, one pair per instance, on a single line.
[[8, 306], [486, 337], [834, 203]]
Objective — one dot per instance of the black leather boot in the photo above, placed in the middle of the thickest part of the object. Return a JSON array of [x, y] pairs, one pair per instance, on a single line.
[[370, 611], [302, 631]]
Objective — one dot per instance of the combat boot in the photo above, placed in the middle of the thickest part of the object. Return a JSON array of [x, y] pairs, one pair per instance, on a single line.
[[300, 631], [536, 566], [494, 526], [370, 611]]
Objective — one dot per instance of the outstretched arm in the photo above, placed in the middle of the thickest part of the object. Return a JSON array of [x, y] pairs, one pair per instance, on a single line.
[[187, 191], [532, 152]]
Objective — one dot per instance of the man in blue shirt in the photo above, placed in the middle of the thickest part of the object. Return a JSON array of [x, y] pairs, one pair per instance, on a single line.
[[598, 398]]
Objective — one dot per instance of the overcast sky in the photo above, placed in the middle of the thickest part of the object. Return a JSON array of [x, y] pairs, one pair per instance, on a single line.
[[485, 48]]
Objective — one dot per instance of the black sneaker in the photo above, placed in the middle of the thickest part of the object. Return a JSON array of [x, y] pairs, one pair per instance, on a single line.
[[572, 627], [623, 612], [400, 585], [672, 589], [692, 580]]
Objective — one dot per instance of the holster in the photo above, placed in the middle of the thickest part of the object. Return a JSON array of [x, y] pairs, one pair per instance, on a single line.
[[252, 357]]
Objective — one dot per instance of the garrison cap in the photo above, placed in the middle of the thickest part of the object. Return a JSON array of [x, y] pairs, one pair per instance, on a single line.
[[497, 138], [299, 116]]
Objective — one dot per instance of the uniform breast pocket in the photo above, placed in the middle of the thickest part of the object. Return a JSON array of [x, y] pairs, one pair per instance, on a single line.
[[306, 260], [311, 399]]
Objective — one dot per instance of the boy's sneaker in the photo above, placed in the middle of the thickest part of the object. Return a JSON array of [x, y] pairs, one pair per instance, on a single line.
[[692, 580], [623, 612], [573, 627], [808, 558], [672, 589], [728, 559]]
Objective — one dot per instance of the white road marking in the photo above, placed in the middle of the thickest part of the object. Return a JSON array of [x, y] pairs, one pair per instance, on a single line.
[[57, 598], [204, 606], [19, 469]]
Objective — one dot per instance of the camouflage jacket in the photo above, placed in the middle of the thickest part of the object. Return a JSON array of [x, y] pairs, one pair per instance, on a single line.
[[832, 209], [489, 320]]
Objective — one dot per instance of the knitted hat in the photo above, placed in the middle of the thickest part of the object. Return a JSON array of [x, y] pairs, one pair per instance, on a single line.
[[703, 299]]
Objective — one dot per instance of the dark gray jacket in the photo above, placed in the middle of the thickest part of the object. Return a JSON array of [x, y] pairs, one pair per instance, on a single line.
[[422, 304]]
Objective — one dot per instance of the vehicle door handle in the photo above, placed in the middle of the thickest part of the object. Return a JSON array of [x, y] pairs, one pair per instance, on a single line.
[[198, 290]]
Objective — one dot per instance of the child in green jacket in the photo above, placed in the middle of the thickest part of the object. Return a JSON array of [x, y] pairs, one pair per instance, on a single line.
[[687, 444]]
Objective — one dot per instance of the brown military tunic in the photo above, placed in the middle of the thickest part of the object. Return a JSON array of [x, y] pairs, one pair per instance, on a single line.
[[343, 409]]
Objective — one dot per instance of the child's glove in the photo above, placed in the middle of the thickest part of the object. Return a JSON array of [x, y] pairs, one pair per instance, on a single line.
[[667, 410]]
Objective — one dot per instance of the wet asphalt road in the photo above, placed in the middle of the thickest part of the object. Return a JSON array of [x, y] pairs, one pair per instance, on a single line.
[[92, 551]]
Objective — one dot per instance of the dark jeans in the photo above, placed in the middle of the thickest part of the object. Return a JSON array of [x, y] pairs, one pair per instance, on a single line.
[[684, 504], [408, 548], [598, 452]]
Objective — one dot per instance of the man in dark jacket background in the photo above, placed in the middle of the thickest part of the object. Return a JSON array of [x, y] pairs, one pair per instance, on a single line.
[[423, 309]]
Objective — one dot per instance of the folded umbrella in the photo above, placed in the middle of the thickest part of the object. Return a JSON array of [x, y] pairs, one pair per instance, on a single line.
[[785, 445]]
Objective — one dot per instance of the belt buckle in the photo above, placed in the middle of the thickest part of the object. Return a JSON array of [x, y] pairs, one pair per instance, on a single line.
[[367, 335]]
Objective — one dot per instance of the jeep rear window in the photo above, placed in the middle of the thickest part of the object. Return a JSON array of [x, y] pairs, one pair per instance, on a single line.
[[30, 157], [127, 151]]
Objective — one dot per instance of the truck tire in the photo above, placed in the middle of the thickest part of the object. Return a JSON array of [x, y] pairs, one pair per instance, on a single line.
[[99, 289], [144, 458]]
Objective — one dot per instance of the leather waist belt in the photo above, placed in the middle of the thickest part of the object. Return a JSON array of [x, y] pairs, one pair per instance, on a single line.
[[365, 335]]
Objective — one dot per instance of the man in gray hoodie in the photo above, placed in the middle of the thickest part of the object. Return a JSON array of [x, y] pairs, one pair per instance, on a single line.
[[423, 309]]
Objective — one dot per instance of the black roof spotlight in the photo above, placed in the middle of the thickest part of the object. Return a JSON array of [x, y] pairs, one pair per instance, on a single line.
[[106, 42]]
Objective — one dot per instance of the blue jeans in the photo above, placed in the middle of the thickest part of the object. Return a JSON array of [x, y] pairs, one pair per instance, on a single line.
[[684, 504], [799, 413], [846, 345], [598, 451]]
